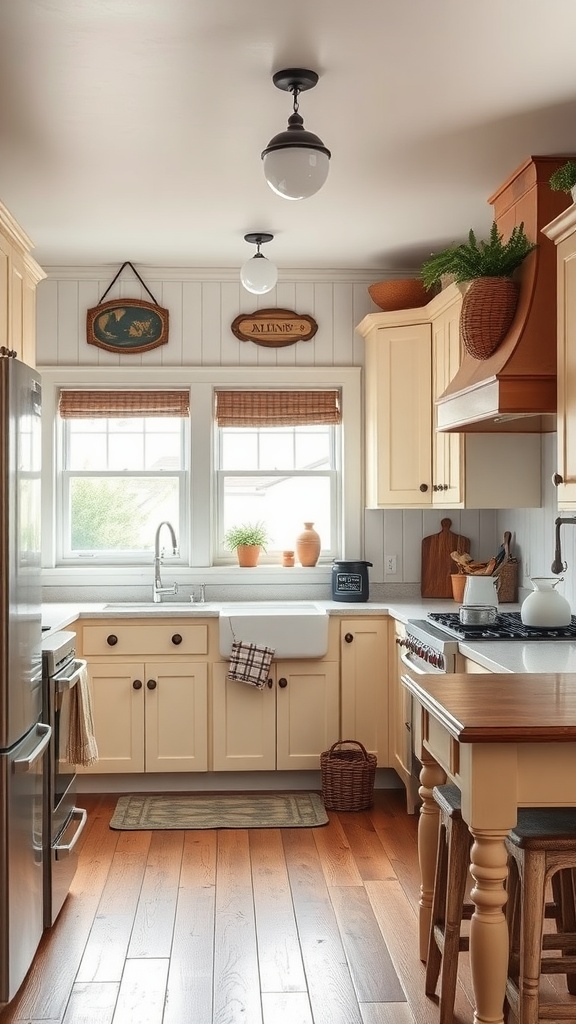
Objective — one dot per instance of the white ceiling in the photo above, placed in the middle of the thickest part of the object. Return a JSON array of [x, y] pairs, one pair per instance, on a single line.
[[132, 129]]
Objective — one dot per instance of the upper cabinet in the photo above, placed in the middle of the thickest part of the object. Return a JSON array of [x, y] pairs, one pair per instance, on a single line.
[[410, 356], [19, 275], [562, 231]]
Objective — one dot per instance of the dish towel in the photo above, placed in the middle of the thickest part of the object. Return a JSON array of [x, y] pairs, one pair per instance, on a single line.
[[81, 747], [250, 663]]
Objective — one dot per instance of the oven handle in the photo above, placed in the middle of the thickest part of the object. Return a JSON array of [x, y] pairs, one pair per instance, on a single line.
[[81, 816], [405, 659], [64, 682], [24, 764]]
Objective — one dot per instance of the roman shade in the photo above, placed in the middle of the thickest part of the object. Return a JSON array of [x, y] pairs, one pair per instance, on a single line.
[[276, 408], [99, 404]]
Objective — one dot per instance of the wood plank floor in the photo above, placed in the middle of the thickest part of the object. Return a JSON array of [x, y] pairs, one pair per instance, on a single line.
[[263, 926]]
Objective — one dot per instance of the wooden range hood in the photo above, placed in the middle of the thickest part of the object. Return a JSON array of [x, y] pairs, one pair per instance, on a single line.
[[515, 389]]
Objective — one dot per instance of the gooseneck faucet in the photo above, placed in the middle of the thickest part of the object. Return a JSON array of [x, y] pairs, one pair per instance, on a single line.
[[158, 588], [558, 565]]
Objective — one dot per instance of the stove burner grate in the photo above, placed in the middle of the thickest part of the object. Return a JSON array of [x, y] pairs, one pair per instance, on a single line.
[[508, 626]]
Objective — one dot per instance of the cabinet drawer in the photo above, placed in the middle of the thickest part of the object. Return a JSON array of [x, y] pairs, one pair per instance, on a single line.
[[143, 639]]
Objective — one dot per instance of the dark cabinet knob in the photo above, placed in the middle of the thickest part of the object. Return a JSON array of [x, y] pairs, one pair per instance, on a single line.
[[557, 479], [176, 639], [112, 639], [423, 488], [137, 684], [270, 684], [151, 684], [282, 683], [435, 488], [348, 637], [408, 726]]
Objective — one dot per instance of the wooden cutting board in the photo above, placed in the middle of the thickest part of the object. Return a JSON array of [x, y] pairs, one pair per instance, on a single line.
[[437, 566]]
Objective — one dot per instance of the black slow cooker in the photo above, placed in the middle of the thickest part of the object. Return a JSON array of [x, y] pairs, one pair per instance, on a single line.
[[350, 581]]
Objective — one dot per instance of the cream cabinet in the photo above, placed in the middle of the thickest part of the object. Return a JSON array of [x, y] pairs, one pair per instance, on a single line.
[[401, 738], [563, 232], [468, 665], [19, 276], [285, 725], [149, 688], [364, 684], [410, 356]]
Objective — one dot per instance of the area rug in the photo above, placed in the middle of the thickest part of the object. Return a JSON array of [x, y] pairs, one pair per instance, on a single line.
[[230, 810]]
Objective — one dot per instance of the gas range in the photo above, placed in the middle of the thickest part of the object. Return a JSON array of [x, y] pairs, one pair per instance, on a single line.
[[508, 626]]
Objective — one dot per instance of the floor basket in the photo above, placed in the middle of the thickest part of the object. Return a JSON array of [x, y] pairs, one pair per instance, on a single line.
[[347, 776]]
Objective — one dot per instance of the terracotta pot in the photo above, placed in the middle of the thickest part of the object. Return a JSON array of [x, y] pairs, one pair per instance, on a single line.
[[248, 555], [308, 545], [458, 583]]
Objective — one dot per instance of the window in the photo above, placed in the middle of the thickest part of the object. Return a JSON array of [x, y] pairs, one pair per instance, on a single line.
[[124, 470], [278, 462]]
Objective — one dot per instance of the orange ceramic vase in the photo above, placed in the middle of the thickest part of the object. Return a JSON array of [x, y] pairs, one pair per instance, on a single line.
[[308, 545]]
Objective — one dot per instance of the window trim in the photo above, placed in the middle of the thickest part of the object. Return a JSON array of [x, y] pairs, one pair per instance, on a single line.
[[203, 381]]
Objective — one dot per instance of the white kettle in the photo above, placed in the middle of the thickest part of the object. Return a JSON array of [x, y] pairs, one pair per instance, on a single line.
[[481, 590], [545, 607]]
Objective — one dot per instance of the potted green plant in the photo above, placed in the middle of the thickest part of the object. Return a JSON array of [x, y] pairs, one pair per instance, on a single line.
[[490, 301], [247, 540], [563, 179]]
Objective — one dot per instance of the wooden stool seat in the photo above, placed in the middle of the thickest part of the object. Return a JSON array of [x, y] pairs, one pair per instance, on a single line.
[[541, 849], [448, 907]]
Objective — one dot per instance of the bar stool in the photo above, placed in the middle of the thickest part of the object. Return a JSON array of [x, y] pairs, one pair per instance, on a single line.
[[541, 849], [449, 908]]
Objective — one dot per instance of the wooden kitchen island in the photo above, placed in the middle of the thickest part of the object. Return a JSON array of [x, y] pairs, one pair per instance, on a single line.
[[507, 741]]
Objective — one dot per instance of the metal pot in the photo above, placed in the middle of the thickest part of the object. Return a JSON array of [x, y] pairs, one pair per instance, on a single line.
[[477, 614]]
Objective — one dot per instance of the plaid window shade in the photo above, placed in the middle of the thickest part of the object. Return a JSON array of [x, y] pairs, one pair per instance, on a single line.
[[100, 404], [276, 408]]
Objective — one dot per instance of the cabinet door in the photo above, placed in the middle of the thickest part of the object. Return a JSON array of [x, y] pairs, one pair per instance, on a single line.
[[243, 724], [398, 392], [176, 702], [448, 449], [401, 737], [118, 711], [307, 712], [364, 667], [566, 417]]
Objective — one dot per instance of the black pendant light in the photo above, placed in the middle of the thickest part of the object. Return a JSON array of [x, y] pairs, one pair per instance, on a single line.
[[296, 161]]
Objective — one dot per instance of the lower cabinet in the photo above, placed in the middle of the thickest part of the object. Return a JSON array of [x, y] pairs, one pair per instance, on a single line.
[[150, 716], [401, 738], [286, 725], [364, 672], [464, 664]]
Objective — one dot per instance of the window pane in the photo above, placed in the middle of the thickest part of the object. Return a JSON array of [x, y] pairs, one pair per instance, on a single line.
[[88, 451], [282, 503], [163, 451], [126, 452], [239, 449], [114, 514], [313, 449], [276, 449]]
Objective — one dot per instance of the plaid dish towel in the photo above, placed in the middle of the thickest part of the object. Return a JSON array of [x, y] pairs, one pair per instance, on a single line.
[[250, 663]]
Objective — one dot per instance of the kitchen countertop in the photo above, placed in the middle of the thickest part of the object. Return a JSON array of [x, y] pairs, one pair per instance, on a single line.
[[497, 656]]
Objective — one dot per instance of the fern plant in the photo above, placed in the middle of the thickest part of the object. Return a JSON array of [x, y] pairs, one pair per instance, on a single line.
[[488, 258], [564, 178], [246, 534]]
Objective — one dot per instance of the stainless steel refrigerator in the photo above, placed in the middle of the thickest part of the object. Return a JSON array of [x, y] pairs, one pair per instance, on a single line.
[[23, 737]]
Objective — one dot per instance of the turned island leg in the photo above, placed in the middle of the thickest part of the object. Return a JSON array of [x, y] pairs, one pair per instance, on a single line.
[[430, 776], [488, 928]]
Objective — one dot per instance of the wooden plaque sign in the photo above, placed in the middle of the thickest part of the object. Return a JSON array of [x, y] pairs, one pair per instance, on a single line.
[[274, 328], [127, 325]]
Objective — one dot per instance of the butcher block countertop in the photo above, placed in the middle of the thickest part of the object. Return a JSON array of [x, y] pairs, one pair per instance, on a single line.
[[500, 708]]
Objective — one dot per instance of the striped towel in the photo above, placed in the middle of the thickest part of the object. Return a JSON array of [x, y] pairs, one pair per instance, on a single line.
[[250, 663], [81, 745]]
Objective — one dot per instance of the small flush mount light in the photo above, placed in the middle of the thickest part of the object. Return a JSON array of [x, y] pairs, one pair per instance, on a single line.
[[258, 275], [296, 161]]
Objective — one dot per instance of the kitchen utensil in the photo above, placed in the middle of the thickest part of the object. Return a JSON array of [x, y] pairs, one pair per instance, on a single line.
[[437, 562], [545, 607], [477, 614], [480, 590]]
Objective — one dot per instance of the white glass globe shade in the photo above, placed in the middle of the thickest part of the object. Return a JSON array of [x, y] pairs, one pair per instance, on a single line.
[[259, 275], [296, 173]]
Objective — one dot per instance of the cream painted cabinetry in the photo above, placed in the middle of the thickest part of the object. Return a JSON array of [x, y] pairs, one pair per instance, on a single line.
[[401, 738], [150, 702], [19, 276], [286, 725], [364, 681], [464, 664], [410, 356], [563, 232]]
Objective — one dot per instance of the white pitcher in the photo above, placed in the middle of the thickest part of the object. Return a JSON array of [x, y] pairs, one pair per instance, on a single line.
[[481, 590], [545, 607]]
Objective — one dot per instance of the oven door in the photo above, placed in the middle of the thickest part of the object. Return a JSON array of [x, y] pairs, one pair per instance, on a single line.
[[63, 773]]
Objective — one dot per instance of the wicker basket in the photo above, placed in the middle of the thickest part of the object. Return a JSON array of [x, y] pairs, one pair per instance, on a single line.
[[347, 776], [487, 311], [508, 587]]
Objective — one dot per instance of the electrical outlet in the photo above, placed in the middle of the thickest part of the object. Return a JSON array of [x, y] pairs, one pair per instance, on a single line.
[[390, 565]]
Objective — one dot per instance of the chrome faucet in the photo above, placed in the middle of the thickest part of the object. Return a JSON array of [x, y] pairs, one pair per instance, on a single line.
[[158, 588], [558, 565]]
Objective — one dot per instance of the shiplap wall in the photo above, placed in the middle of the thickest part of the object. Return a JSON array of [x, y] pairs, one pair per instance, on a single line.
[[202, 305]]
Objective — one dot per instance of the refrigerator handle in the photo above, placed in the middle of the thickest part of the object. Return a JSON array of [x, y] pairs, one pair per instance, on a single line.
[[68, 682], [81, 816], [24, 764]]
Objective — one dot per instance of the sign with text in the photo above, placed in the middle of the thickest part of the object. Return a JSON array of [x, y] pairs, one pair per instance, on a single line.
[[274, 328]]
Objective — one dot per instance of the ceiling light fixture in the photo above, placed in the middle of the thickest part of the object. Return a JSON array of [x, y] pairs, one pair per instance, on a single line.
[[258, 275], [296, 161]]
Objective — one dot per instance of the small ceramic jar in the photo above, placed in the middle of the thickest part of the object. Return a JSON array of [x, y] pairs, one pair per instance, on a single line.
[[287, 558]]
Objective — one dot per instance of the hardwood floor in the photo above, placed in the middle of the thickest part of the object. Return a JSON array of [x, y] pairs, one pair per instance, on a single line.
[[263, 926]]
